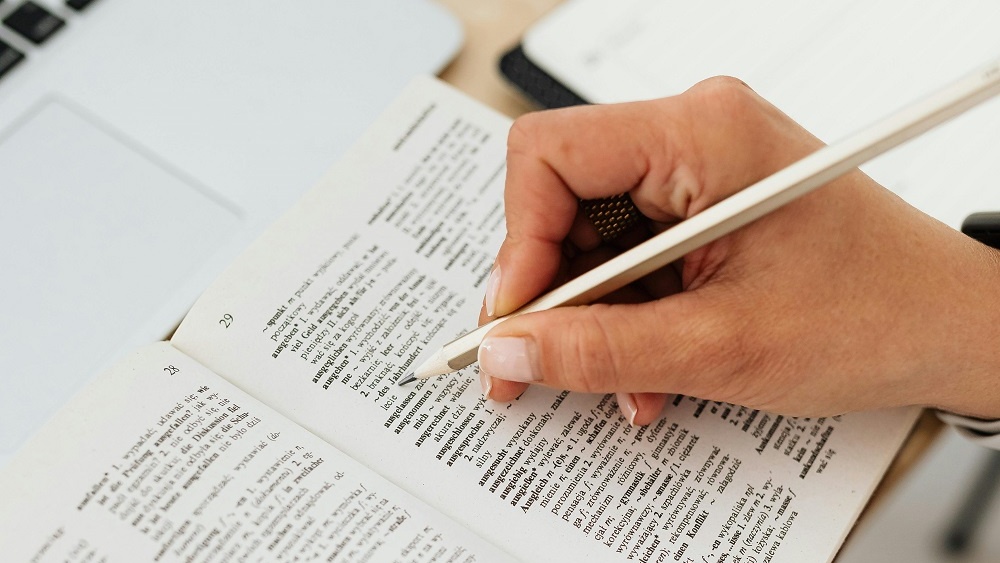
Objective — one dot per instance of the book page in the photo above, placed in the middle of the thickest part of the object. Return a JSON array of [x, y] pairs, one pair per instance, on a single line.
[[161, 460], [386, 259]]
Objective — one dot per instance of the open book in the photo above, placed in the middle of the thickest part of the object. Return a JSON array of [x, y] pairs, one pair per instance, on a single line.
[[270, 427]]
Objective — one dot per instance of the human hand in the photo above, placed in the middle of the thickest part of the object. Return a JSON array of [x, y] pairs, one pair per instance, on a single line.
[[846, 299]]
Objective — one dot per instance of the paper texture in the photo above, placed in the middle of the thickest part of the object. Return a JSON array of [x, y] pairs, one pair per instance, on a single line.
[[387, 259], [160, 460]]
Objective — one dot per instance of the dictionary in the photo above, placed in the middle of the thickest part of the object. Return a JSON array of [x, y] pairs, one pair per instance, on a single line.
[[270, 428]]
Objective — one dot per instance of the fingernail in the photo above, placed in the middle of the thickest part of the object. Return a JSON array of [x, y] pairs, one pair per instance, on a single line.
[[508, 357], [626, 402], [492, 290], [486, 382]]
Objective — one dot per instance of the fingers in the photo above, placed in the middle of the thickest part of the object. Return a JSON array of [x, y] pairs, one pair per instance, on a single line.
[[675, 156], [640, 409], [545, 181], [680, 344], [500, 389]]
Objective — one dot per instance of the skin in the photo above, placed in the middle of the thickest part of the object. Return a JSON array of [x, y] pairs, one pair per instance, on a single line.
[[846, 299]]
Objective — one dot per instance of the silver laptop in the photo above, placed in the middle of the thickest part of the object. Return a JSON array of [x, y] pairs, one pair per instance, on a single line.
[[144, 143]]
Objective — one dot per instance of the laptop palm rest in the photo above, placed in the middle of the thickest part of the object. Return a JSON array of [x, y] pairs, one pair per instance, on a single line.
[[92, 243]]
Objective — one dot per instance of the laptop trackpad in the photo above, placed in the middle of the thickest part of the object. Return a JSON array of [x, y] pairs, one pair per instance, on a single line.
[[95, 236]]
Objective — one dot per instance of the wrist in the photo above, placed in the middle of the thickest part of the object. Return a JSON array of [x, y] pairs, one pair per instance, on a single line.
[[969, 380]]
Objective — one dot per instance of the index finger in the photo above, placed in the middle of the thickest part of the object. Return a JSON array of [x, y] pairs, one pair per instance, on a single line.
[[554, 159]]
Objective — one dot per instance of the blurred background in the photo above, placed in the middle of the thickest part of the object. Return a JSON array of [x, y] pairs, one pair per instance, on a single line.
[[942, 509], [828, 66]]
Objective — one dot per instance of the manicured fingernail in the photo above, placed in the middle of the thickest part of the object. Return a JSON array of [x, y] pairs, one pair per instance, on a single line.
[[492, 290], [487, 383], [626, 402], [508, 357]]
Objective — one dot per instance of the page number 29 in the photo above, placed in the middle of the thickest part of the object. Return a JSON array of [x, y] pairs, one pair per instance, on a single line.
[[226, 320]]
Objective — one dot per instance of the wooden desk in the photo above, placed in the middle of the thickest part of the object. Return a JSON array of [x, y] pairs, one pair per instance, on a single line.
[[491, 28]]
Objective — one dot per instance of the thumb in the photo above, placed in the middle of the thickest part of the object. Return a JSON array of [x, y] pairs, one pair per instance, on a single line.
[[663, 346]]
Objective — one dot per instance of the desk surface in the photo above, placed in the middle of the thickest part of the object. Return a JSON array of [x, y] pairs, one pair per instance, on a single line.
[[491, 28]]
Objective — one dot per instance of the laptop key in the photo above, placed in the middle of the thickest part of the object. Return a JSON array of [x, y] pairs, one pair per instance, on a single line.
[[9, 57], [33, 22], [78, 4]]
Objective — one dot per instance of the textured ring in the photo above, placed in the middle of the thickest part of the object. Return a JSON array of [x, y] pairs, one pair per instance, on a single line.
[[611, 215]]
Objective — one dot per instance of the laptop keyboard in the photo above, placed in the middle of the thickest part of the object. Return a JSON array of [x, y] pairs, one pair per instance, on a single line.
[[34, 23], [9, 57]]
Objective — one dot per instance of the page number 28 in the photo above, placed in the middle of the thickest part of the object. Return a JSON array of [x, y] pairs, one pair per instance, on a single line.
[[226, 320]]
